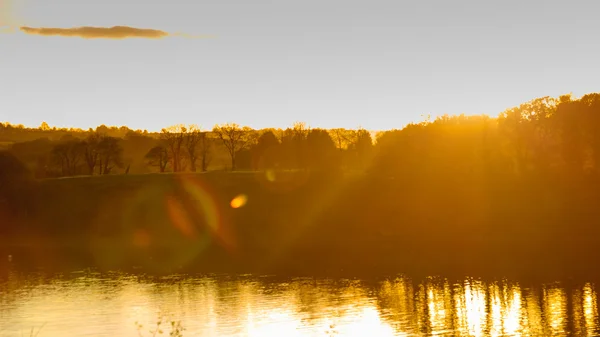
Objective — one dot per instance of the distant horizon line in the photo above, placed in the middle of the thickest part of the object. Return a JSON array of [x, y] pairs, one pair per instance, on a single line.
[[424, 118], [87, 129]]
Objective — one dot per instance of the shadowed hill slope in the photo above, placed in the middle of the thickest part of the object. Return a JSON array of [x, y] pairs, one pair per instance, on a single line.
[[302, 223]]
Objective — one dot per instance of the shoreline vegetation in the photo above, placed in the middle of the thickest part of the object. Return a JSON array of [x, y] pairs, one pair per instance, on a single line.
[[515, 195]]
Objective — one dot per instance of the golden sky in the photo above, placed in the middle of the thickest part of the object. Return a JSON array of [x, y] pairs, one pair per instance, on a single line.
[[377, 64]]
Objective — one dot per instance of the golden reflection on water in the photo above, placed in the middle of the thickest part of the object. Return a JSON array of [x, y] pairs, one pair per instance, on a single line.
[[507, 316], [585, 311], [555, 308], [533, 319], [439, 305], [109, 305], [513, 313], [470, 308], [590, 309]]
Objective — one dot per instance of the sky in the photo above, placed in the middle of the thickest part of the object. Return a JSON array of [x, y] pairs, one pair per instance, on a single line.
[[377, 64]]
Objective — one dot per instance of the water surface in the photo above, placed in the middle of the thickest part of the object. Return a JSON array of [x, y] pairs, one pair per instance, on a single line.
[[109, 304]]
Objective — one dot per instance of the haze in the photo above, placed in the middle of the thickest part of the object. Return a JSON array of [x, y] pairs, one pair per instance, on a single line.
[[332, 63], [269, 64]]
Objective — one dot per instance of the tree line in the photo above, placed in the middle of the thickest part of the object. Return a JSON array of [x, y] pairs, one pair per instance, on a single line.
[[540, 139], [180, 148], [545, 137]]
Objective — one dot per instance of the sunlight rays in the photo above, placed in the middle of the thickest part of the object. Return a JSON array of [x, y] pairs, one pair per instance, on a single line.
[[171, 224]]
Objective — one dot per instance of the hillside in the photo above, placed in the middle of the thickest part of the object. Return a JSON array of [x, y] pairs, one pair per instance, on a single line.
[[295, 222]]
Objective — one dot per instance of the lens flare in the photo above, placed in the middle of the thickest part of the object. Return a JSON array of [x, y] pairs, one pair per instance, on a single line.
[[204, 206], [239, 201], [201, 201], [160, 222], [270, 175], [141, 238], [179, 217]]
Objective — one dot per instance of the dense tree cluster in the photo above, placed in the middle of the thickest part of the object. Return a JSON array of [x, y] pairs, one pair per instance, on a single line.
[[543, 138]]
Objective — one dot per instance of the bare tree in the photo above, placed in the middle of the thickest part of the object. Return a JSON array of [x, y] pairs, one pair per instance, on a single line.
[[91, 154], [158, 156], [299, 148], [300, 131], [110, 154], [193, 138], [68, 156], [234, 138], [204, 150], [174, 138], [340, 137]]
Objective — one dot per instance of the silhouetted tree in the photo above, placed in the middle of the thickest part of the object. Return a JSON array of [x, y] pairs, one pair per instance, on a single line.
[[234, 139], [192, 138], [174, 139], [361, 147], [528, 134], [322, 150], [92, 151], [294, 147], [340, 137], [136, 145], [265, 152], [110, 154], [158, 156], [205, 146], [68, 155]]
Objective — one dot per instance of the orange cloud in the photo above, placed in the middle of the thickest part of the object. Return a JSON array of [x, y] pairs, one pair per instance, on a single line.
[[117, 32]]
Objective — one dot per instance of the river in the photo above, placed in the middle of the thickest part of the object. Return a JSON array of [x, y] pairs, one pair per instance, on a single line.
[[88, 303]]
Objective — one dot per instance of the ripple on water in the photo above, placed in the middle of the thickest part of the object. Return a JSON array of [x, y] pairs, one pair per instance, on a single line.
[[108, 304]]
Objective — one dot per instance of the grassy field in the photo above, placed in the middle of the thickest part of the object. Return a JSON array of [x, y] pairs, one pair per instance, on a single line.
[[5, 145], [285, 222]]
